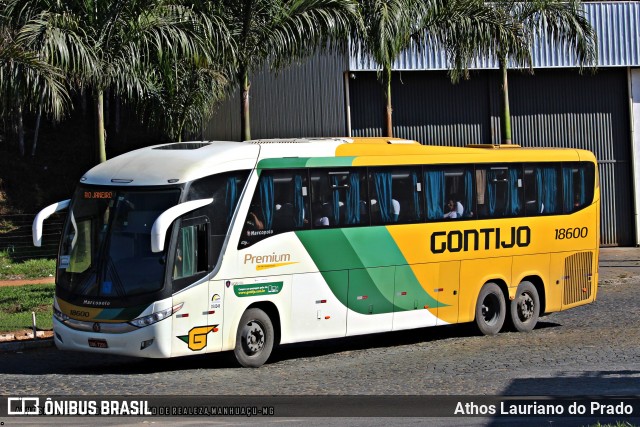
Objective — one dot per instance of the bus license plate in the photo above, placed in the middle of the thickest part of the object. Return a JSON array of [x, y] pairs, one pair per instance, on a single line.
[[98, 343]]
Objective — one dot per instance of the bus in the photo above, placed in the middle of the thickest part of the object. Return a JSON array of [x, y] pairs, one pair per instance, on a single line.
[[198, 247]]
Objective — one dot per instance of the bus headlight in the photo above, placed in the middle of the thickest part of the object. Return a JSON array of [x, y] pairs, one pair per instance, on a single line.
[[59, 315], [141, 322]]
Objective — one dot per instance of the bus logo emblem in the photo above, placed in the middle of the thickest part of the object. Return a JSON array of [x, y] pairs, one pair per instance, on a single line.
[[197, 338]]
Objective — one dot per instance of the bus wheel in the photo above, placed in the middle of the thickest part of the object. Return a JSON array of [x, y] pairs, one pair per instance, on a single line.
[[490, 309], [254, 340], [525, 308]]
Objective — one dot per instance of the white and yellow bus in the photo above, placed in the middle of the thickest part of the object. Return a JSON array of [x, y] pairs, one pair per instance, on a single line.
[[202, 247]]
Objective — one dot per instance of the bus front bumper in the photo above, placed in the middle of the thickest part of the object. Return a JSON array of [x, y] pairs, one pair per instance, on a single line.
[[153, 341]]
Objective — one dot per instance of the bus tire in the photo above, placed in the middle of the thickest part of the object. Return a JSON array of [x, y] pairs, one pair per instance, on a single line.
[[491, 309], [255, 338], [525, 308]]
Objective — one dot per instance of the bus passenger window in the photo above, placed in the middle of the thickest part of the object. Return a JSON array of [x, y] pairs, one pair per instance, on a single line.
[[395, 195], [577, 186], [499, 191], [542, 190], [339, 196], [449, 193], [280, 204]]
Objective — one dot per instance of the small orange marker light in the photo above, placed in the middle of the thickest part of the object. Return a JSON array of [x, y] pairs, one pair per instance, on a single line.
[[327, 317], [584, 289], [426, 306]]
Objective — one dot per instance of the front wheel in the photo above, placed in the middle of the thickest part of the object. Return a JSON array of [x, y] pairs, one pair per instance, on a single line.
[[525, 308], [490, 309], [255, 338]]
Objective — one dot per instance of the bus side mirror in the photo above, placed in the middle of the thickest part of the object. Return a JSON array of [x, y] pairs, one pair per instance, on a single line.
[[166, 218], [37, 226]]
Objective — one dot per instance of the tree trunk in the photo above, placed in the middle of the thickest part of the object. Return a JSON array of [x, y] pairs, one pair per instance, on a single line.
[[36, 132], [505, 114], [388, 109], [117, 114], [20, 129], [102, 150], [37, 127], [245, 120]]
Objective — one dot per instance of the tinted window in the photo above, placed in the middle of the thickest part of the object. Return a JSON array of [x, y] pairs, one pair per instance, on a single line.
[[339, 197], [543, 189], [448, 193], [499, 191], [395, 195], [280, 204]]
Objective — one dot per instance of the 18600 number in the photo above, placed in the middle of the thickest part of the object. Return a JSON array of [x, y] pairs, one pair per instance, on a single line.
[[571, 233]]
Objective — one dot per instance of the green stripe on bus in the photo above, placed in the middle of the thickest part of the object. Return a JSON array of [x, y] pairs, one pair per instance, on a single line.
[[304, 162], [375, 265]]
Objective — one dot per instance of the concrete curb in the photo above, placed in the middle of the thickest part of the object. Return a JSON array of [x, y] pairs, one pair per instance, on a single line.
[[22, 345]]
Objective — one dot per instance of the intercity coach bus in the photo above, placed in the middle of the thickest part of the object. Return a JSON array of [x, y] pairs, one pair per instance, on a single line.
[[199, 247]]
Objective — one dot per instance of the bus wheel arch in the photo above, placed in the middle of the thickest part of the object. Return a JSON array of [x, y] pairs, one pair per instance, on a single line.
[[540, 288], [256, 335], [526, 307], [491, 307]]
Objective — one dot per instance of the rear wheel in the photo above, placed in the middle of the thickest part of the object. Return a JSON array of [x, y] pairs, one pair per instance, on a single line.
[[525, 308], [490, 309], [255, 338]]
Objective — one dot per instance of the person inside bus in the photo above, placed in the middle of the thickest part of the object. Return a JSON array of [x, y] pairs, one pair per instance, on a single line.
[[253, 221], [455, 209], [395, 209], [395, 206], [323, 214]]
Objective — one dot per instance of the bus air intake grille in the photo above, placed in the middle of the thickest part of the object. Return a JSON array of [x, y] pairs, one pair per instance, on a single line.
[[577, 277]]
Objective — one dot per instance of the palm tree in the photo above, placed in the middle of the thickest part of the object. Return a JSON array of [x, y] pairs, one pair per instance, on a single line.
[[280, 32], [112, 44], [27, 81], [186, 95], [561, 21], [464, 28], [186, 90]]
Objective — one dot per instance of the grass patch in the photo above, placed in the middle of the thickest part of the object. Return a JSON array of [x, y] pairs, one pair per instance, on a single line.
[[29, 269], [17, 303]]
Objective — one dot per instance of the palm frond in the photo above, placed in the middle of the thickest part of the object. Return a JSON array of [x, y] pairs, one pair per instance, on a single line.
[[564, 22]]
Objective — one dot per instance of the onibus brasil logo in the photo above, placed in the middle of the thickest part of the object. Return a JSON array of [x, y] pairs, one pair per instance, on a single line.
[[197, 338]]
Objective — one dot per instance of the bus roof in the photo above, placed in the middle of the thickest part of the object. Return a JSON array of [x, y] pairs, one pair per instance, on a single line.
[[182, 162]]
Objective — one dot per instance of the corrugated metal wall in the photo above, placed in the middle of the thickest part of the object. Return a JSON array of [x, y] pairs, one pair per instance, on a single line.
[[302, 100], [427, 107], [554, 108], [617, 25], [560, 108]]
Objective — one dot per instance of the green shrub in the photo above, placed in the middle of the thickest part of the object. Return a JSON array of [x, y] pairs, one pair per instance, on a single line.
[[17, 303], [29, 269]]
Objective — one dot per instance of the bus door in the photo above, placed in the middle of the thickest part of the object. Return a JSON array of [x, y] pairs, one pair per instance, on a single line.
[[193, 329]]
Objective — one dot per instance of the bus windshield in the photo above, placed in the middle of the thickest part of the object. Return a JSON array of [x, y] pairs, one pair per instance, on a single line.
[[106, 245]]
